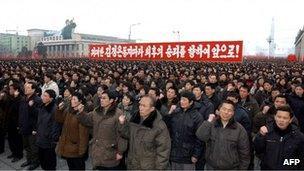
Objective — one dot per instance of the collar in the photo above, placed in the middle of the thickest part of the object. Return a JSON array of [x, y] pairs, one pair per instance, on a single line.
[[231, 124], [148, 122]]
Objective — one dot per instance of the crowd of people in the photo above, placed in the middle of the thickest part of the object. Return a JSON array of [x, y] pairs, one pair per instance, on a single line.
[[153, 115]]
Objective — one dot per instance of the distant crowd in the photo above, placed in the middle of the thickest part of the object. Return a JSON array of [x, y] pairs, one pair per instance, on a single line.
[[153, 115]]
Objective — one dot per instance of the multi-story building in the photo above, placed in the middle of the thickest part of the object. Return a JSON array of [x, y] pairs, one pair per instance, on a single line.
[[12, 44], [299, 45]]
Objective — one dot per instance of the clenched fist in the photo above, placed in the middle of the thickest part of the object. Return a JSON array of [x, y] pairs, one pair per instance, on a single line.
[[173, 107], [263, 130], [122, 119], [211, 118], [31, 103]]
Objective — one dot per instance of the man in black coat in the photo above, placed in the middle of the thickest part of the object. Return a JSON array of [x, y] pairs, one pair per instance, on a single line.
[[296, 101], [14, 137], [206, 106], [28, 115], [279, 142], [183, 122], [48, 131], [210, 93]]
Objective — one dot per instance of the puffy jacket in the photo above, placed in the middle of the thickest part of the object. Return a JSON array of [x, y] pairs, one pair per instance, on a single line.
[[252, 106], [227, 148], [106, 142], [278, 145], [206, 108], [241, 115], [48, 130], [182, 126]]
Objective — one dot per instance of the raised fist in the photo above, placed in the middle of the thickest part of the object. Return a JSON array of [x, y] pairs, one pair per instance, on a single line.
[[263, 130], [80, 108], [122, 119], [211, 118], [16, 93], [173, 107], [31, 103]]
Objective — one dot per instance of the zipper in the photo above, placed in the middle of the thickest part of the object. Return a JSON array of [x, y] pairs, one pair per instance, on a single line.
[[281, 139]]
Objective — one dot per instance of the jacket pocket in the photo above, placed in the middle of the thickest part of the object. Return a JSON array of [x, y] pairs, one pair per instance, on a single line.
[[148, 147], [110, 151]]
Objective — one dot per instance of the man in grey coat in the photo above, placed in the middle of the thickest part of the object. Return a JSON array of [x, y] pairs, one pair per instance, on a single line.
[[227, 140], [149, 139]]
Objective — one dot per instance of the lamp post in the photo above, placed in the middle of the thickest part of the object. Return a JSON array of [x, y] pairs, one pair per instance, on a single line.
[[130, 30]]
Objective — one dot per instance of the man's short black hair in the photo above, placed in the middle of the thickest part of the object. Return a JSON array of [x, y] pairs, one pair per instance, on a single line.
[[245, 86], [34, 86], [188, 94], [190, 82], [286, 108], [49, 75], [234, 95], [157, 92], [212, 86], [227, 102], [300, 85], [281, 96], [198, 86]]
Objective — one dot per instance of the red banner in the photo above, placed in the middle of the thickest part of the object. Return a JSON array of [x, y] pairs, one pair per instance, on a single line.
[[219, 51]]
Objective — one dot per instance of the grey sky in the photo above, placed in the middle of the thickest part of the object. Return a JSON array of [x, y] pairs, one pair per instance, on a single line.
[[196, 20]]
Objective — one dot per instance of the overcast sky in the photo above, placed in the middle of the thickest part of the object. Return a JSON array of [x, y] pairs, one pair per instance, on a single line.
[[196, 20]]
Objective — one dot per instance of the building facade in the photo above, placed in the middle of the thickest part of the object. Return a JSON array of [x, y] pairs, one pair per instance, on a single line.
[[77, 46], [12, 44], [299, 45]]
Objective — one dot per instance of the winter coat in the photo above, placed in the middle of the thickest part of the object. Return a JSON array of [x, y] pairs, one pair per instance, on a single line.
[[215, 100], [74, 138], [182, 126], [277, 146], [297, 105], [13, 112], [28, 115], [48, 130], [251, 105], [206, 108], [106, 142], [149, 142], [227, 148], [241, 116]]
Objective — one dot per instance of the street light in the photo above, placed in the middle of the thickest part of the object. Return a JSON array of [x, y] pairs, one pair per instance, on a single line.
[[178, 34], [130, 30]]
